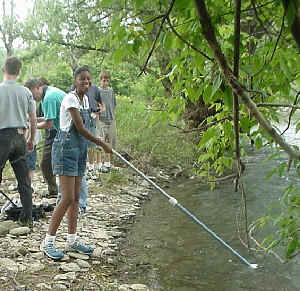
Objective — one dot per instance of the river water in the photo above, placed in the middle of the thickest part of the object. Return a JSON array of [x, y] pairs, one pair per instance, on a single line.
[[168, 251]]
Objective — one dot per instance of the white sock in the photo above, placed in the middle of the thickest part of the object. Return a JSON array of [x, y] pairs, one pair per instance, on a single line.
[[107, 164], [49, 239], [71, 238]]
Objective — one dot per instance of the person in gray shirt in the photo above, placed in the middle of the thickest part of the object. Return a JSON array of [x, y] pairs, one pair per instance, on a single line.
[[107, 120], [16, 108]]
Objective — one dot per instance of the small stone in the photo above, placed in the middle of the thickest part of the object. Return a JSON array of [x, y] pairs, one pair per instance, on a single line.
[[11, 187], [139, 287], [78, 256], [101, 234], [59, 286], [124, 287], [20, 231], [70, 276], [83, 264], [97, 253], [3, 230], [21, 288], [20, 251], [34, 250], [43, 286], [70, 267]]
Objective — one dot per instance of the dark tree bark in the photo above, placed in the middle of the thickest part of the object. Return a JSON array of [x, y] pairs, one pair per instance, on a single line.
[[295, 27]]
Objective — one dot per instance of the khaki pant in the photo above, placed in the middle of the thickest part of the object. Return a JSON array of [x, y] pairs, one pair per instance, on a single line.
[[108, 132]]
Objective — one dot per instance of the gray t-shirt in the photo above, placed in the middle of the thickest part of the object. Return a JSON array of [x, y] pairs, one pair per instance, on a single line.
[[109, 99], [16, 102], [94, 97]]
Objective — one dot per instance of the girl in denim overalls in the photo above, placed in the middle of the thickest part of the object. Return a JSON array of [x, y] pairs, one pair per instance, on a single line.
[[69, 152]]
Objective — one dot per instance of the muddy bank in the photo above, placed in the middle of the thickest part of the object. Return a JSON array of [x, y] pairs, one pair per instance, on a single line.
[[114, 201]]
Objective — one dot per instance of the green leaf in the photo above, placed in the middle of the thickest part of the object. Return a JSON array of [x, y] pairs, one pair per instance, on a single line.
[[216, 85], [204, 157], [282, 168], [105, 3], [139, 3], [210, 133], [244, 123], [258, 142], [270, 174], [207, 94], [284, 67], [168, 39], [115, 24], [297, 127], [228, 101], [291, 247], [118, 55], [271, 157]]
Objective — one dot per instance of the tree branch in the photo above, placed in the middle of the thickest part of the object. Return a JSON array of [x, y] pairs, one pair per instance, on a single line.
[[186, 42], [202, 128], [237, 87], [274, 50], [154, 19], [54, 41], [258, 18], [157, 35], [277, 105]]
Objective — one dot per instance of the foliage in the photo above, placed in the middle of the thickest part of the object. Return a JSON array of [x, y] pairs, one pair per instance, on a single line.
[[134, 134], [164, 44], [184, 61], [286, 224], [147, 88]]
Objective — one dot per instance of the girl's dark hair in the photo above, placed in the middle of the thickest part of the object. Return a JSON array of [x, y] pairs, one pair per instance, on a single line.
[[80, 70]]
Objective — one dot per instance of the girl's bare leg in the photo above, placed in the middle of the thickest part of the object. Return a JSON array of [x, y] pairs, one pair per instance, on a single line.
[[67, 184], [73, 208]]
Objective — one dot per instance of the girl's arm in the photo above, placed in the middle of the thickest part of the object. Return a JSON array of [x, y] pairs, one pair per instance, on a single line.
[[78, 122]]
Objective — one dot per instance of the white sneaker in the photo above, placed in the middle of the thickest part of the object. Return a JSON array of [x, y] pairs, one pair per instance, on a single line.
[[51, 251]]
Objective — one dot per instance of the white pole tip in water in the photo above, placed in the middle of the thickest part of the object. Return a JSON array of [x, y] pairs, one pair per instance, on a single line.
[[254, 266]]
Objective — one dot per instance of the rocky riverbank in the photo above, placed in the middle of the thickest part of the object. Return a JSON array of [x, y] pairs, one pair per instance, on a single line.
[[114, 200]]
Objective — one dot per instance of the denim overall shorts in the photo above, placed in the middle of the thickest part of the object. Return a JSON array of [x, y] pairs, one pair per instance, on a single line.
[[92, 128], [69, 150]]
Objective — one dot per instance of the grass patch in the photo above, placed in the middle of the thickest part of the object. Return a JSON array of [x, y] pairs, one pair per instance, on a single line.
[[157, 144]]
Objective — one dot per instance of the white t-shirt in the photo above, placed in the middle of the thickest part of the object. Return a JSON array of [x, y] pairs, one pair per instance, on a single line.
[[70, 100]]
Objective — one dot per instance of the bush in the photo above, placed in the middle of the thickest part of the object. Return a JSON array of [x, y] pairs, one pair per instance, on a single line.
[[160, 142]]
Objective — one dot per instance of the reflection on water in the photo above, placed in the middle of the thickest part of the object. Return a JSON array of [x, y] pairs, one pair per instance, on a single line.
[[168, 251]]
